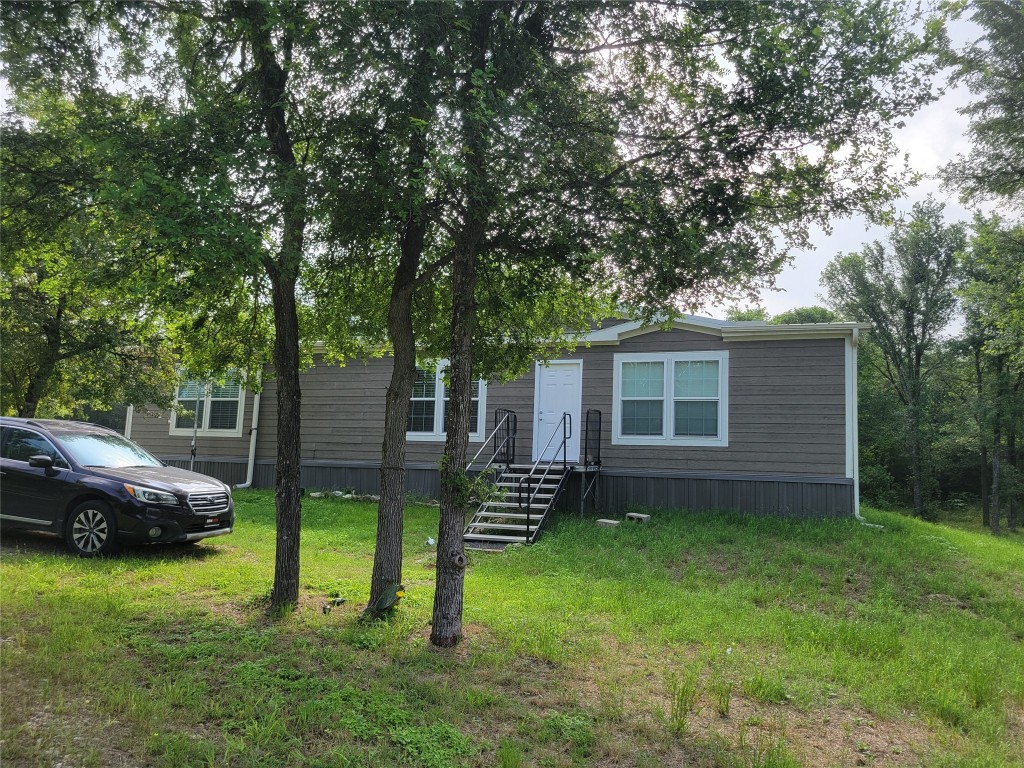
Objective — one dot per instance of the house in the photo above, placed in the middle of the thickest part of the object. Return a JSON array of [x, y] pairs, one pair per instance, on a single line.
[[708, 414]]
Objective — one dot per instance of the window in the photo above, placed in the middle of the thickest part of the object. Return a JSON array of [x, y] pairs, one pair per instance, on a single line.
[[671, 399], [217, 408], [22, 444], [428, 406]]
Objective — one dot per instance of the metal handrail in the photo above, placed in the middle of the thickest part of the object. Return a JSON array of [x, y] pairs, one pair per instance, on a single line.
[[566, 425], [510, 417], [592, 458]]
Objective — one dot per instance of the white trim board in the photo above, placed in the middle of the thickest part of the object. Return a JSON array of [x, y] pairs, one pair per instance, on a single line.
[[727, 330], [669, 359]]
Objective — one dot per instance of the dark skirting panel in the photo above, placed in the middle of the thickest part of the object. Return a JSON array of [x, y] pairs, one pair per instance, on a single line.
[[621, 490]]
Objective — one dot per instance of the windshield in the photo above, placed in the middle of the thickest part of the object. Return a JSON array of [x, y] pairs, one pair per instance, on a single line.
[[107, 451]]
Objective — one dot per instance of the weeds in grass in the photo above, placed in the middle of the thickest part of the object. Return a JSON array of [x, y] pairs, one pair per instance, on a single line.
[[510, 755], [766, 750], [439, 745], [721, 691], [576, 728], [767, 688], [683, 690]]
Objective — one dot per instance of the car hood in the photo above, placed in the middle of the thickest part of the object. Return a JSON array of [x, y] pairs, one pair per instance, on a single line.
[[164, 478]]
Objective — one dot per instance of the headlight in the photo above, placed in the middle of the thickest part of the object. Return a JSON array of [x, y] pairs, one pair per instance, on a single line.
[[151, 496]]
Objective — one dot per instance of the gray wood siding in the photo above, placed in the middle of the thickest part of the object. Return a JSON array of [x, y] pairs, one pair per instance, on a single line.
[[786, 411], [151, 429], [786, 406]]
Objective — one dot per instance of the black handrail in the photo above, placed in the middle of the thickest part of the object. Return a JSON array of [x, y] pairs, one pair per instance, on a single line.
[[506, 425], [592, 438], [566, 425]]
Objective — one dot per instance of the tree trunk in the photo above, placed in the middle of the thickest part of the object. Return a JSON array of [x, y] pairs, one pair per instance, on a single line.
[[984, 482], [917, 482], [993, 514], [387, 557], [270, 81], [288, 494], [997, 442], [1014, 501], [40, 378], [451, 556]]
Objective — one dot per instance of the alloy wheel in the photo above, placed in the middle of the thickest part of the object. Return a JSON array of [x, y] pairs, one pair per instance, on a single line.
[[90, 531]]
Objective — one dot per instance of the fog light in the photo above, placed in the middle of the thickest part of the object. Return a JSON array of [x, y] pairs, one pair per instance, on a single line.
[[154, 533]]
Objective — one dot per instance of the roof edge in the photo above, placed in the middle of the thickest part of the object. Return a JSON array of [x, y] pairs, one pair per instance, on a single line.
[[727, 330]]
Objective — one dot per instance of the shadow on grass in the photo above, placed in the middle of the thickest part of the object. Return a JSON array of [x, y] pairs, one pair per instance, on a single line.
[[41, 543]]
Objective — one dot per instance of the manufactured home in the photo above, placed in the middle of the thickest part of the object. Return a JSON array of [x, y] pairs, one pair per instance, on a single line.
[[707, 414]]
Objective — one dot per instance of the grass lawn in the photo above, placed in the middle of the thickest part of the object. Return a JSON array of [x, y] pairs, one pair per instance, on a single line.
[[704, 640]]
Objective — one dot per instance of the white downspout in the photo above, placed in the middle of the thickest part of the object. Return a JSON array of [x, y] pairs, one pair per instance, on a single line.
[[128, 421], [856, 433], [253, 431]]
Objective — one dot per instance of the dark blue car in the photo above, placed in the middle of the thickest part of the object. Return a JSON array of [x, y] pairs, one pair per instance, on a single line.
[[98, 489]]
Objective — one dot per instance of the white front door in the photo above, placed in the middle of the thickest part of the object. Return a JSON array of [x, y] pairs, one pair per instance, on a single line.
[[559, 390]]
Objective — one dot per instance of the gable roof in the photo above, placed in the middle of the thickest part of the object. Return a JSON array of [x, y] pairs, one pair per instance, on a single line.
[[728, 330]]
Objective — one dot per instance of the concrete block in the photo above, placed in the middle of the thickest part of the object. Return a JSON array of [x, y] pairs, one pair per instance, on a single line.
[[638, 517], [608, 523]]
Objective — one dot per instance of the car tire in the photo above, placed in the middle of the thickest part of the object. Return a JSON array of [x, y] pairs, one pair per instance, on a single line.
[[91, 530]]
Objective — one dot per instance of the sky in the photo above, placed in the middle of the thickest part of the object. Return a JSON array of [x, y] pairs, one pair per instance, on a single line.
[[930, 139]]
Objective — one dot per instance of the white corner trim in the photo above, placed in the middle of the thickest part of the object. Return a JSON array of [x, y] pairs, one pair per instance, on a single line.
[[128, 421], [856, 428], [667, 439], [850, 412]]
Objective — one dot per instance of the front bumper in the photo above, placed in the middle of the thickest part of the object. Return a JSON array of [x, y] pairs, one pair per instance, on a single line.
[[207, 535], [176, 524]]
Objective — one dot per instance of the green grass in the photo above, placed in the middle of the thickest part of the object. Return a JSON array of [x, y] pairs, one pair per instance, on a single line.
[[709, 640]]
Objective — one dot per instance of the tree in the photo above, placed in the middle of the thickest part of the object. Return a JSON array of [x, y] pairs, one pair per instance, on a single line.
[[907, 291], [993, 296], [230, 202], [991, 67], [691, 189], [805, 315], [675, 203], [74, 337], [738, 314]]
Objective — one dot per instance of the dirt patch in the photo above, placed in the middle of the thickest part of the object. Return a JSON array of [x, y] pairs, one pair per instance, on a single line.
[[36, 731], [946, 601], [632, 685]]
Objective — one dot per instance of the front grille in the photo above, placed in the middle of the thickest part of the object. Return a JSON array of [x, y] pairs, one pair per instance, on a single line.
[[208, 503]]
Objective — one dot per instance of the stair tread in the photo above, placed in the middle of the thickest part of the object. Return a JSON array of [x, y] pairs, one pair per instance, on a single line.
[[505, 504], [502, 527], [490, 537], [508, 515]]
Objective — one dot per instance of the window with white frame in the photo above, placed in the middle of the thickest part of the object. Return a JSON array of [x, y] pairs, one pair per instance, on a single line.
[[215, 408], [428, 406], [671, 399]]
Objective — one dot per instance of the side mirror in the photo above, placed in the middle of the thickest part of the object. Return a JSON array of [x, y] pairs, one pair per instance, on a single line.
[[41, 462]]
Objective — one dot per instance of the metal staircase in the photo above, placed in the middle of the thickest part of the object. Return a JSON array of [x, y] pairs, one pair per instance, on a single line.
[[527, 492]]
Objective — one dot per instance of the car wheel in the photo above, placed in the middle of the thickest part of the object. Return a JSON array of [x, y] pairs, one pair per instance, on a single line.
[[91, 530]]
